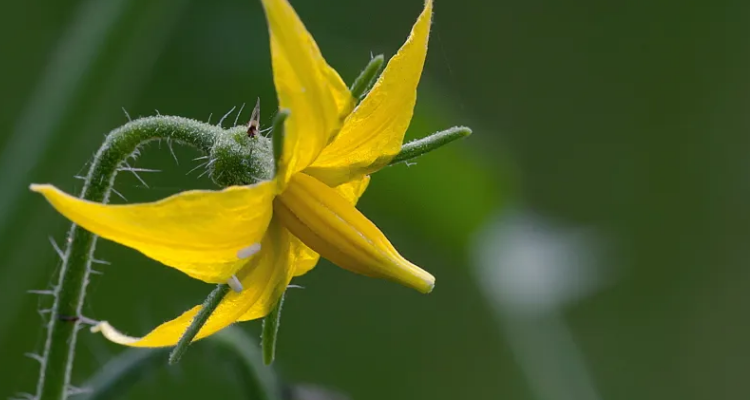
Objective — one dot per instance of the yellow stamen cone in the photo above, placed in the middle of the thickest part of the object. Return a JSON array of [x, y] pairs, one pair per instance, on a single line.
[[334, 228]]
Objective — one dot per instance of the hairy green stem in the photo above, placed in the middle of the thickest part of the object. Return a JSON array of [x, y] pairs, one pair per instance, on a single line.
[[66, 319], [209, 306], [270, 332], [427, 144], [367, 77]]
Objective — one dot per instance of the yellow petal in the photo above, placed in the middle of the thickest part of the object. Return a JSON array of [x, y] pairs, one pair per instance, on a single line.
[[264, 279], [354, 189], [331, 226], [373, 133], [312, 91], [198, 232], [306, 257]]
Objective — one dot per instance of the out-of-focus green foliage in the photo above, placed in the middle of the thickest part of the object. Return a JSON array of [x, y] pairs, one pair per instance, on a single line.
[[626, 118]]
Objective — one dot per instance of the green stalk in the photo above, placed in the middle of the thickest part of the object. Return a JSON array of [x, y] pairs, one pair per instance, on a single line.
[[367, 77], [70, 292], [427, 144], [209, 306], [271, 331]]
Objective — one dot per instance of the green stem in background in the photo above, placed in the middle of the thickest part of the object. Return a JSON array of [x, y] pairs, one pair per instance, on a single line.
[[121, 373], [270, 331], [259, 381], [367, 77], [66, 319], [427, 144], [209, 306]]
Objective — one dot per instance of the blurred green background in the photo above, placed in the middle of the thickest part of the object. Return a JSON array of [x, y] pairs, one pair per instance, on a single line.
[[588, 240]]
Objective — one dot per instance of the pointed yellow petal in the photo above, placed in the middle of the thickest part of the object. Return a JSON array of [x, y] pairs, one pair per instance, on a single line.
[[306, 85], [198, 232], [264, 279], [307, 258], [331, 226], [373, 133]]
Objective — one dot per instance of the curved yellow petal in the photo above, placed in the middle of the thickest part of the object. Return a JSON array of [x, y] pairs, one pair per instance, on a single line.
[[331, 226], [312, 91], [264, 279], [354, 189], [373, 133], [198, 232], [307, 258]]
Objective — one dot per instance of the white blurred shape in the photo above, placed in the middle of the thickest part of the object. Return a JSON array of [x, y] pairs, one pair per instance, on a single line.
[[529, 270], [529, 266]]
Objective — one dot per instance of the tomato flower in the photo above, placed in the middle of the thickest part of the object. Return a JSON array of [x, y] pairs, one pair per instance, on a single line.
[[258, 237]]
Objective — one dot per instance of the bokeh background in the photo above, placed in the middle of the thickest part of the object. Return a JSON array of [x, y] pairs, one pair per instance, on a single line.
[[589, 240]]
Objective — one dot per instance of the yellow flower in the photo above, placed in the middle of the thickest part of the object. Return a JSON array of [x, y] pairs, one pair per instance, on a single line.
[[307, 210]]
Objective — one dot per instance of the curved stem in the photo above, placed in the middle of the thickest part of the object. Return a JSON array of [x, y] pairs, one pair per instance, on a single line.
[[66, 318]]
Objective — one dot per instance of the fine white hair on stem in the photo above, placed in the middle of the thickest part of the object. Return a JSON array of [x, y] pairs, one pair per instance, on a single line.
[[171, 150], [221, 121], [237, 118], [197, 167], [134, 172], [57, 248]]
